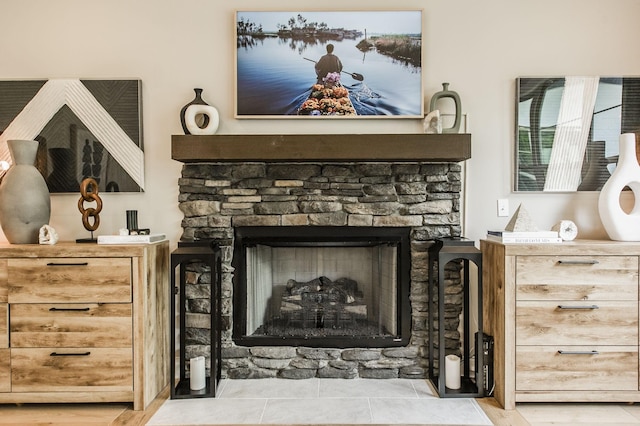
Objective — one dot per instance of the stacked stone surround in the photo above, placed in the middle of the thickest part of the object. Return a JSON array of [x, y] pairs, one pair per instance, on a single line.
[[216, 197]]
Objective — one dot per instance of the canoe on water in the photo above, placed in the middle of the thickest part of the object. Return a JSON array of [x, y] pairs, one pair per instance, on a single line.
[[325, 100]]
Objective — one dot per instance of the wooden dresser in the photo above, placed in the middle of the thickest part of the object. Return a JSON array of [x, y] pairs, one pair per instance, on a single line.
[[84, 323], [564, 318]]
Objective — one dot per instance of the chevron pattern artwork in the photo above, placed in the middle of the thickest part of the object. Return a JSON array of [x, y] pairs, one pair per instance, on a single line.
[[86, 128]]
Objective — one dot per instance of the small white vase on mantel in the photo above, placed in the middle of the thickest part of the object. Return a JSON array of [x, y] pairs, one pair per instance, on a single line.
[[620, 225]]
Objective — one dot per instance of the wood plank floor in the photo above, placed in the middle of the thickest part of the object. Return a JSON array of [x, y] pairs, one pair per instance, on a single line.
[[115, 414], [118, 414]]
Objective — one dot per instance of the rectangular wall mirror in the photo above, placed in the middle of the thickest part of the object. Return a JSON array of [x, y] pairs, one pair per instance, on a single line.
[[567, 130]]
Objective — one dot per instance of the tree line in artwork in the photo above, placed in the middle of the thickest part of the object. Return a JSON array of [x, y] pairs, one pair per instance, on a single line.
[[406, 48], [296, 27]]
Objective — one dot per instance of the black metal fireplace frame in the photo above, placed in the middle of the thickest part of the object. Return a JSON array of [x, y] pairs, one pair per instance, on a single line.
[[327, 236]]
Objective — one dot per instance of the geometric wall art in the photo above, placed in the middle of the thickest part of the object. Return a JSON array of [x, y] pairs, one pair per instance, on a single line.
[[86, 128]]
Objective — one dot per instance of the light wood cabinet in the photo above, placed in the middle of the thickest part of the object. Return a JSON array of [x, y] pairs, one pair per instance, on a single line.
[[5, 354], [564, 318], [84, 323]]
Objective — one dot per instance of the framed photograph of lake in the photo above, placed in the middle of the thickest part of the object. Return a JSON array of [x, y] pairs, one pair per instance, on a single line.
[[315, 64]]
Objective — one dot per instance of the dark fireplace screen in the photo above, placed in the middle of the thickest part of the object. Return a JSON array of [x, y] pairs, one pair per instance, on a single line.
[[321, 286]]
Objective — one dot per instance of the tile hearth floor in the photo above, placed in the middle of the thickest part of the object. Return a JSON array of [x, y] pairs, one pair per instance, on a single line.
[[322, 401]]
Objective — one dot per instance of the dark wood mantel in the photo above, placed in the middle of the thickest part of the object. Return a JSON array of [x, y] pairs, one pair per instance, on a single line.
[[414, 147]]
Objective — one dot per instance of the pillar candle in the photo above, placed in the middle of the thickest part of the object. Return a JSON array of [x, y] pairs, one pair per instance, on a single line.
[[197, 373], [452, 371]]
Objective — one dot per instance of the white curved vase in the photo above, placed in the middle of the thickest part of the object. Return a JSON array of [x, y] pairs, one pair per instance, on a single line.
[[620, 225], [212, 119]]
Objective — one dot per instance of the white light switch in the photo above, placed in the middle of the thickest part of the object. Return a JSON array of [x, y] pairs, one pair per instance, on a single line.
[[503, 207]]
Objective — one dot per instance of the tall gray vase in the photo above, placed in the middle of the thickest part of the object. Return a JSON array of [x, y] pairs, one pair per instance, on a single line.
[[25, 204]]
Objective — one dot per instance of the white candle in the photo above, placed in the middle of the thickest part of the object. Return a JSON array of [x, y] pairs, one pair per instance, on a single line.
[[197, 373], [452, 371]]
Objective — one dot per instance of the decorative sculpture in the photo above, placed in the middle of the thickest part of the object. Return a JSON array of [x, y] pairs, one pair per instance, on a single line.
[[432, 122], [198, 117], [48, 235], [620, 225], [521, 221], [89, 193], [444, 94]]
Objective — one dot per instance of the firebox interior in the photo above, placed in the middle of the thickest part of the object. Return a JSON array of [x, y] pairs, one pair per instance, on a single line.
[[322, 286]]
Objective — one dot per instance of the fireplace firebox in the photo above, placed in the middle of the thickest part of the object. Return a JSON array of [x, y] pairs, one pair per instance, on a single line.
[[321, 286]]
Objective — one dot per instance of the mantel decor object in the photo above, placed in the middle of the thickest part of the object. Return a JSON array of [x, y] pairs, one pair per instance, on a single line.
[[91, 215], [198, 117], [432, 122], [445, 93], [620, 225], [25, 203]]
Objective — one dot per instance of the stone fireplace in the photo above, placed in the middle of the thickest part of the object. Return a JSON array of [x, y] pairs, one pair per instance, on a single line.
[[410, 181], [422, 197]]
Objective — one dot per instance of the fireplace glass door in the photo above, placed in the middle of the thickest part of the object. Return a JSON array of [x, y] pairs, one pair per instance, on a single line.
[[336, 290]]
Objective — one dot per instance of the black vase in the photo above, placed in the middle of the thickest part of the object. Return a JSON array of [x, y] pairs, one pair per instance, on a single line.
[[196, 101]]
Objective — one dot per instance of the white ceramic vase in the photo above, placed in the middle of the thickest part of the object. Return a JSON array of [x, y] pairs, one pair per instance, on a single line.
[[25, 204], [212, 119], [620, 225], [198, 117]]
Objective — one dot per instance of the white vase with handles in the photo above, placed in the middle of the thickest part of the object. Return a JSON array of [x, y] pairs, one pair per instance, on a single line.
[[620, 225]]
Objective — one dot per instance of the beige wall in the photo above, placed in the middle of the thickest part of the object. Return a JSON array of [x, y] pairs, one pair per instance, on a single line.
[[480, 47]]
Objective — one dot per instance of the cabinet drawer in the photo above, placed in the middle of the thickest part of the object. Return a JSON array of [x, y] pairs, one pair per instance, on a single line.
[[4, 331], [5, 370], [71, 369], [578, 368], [71, 325], [60, 280], [576, 323], [577, 278]]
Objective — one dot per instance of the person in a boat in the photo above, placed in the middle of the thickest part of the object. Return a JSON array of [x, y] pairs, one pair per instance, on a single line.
[[328, 63]]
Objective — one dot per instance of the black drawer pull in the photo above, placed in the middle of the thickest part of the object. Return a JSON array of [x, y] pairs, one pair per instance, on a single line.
[[579, 307], [579, 352], [68, 264], [70, 354], [69, 309], [578, 262]]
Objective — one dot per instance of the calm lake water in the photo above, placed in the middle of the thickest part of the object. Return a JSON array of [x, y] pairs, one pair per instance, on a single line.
[[274, 78]]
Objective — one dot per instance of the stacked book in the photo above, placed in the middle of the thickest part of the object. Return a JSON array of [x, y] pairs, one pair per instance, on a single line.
[[130, 239], [530, 237]]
